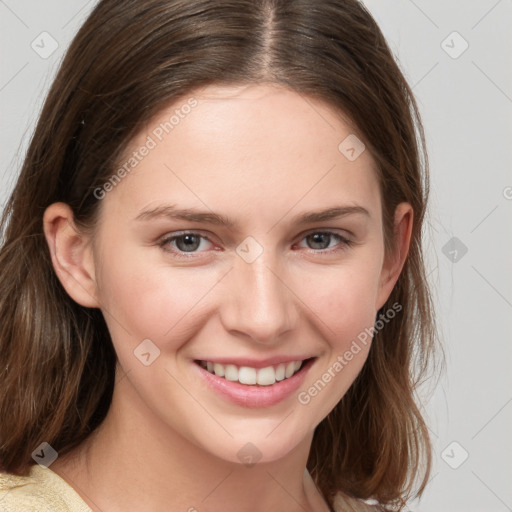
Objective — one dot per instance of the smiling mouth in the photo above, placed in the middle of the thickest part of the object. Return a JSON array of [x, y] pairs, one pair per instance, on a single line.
[[254, 376]]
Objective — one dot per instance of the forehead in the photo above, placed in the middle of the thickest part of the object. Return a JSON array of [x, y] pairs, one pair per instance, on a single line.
[[224, 146]]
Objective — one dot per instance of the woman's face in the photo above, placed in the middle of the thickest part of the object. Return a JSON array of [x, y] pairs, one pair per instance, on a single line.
[[243, 239]]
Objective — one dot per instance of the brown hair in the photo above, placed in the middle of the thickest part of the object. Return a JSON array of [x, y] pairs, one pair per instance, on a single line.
[[130, 59]]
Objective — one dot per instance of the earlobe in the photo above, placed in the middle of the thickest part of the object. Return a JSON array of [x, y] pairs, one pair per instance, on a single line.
[[71, 255], [394, 262]]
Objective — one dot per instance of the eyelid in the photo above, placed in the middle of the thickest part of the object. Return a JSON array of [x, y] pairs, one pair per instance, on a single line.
[[344, 241], [165, 240], [335, 231]]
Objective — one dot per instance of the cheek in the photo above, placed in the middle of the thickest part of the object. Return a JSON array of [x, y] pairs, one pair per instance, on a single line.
[[343, 299], [147, 300]]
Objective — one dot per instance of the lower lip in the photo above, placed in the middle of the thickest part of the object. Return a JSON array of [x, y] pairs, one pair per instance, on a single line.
[[255, 395]]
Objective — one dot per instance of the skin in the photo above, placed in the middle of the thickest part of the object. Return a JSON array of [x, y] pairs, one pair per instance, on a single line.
[[259, 155]]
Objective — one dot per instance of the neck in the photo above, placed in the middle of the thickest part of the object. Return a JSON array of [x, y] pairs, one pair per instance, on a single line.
[[134, 461]]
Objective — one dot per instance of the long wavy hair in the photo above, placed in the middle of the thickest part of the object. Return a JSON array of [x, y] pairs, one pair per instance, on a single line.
[[130, 59]]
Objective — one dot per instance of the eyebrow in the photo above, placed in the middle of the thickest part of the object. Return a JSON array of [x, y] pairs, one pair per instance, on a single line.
[[193, 215]]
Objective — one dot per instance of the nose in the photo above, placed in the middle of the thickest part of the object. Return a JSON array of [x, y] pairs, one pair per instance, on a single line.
[[260, 304]]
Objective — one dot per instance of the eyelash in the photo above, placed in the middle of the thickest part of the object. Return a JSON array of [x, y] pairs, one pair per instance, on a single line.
[[343, 243]]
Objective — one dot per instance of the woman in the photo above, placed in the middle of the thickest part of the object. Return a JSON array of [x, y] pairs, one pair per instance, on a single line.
[[212, 285]]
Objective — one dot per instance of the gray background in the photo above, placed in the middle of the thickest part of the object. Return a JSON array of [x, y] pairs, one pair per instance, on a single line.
[[466, 101]]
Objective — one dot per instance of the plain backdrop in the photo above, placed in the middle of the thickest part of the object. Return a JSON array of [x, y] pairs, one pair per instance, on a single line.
[[457, 57]]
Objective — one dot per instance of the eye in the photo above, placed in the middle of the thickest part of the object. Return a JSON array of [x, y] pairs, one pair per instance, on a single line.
[[324, 240], [188, 242]]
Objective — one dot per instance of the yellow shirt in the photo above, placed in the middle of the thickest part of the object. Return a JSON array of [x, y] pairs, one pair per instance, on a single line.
[[41, 491], [45, 491]]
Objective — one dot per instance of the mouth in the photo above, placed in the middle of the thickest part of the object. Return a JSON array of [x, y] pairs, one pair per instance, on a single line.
[[257, 386], [251, 376]]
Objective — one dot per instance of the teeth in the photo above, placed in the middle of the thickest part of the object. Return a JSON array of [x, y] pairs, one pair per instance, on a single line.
[[231, 372], [266, 376], [251, 376], [247, 375], [218, 369], [280, 372], [290, 369]]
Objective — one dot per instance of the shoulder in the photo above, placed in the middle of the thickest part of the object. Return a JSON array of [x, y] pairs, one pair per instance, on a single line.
[[41, 490], [344, 503]]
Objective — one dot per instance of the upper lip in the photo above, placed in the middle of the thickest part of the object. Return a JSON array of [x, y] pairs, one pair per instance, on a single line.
[[255, 363]]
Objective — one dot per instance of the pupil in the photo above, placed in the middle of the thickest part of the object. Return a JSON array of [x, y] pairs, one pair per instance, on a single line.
[[319, 240], [187, 243]]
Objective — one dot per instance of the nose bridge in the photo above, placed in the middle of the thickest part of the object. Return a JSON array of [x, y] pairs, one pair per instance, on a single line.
[[261, 305]]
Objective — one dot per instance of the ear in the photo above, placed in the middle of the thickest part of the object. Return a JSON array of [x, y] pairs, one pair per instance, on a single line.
[[394, 262], [71, 254]]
